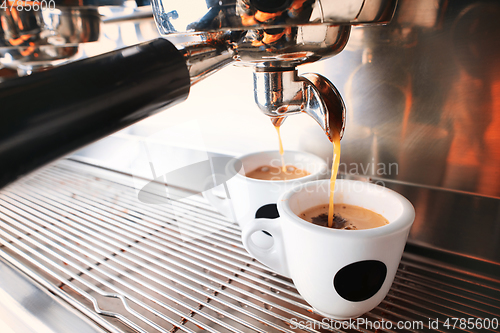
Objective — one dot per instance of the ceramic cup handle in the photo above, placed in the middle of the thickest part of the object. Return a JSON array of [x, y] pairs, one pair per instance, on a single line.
[[274, 257]]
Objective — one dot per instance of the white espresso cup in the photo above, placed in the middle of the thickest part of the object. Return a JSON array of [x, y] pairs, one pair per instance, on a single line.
[[249, 199], [341, 273]]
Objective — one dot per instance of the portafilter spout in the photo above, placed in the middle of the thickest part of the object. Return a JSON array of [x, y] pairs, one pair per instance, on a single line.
[[282, 93]]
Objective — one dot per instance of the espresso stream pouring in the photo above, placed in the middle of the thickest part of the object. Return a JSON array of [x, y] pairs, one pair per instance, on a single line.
[[51, 113]]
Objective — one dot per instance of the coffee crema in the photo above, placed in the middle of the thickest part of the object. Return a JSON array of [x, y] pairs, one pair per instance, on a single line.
[[268, 172], [347, 217]]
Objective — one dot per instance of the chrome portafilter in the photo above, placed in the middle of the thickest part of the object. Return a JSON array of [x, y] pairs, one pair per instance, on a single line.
[[42, 34], [279, 94], [274, 37]]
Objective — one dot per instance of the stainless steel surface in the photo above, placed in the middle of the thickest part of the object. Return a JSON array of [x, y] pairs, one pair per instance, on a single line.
[[452, 221], [265, 48], [40, 35], [209, 15], [207, 54], [271, 36], [423, 93], [33, 39], [119, 27], [27, 307], [283, 93], [290, 47], [278, 91], [83, 234]]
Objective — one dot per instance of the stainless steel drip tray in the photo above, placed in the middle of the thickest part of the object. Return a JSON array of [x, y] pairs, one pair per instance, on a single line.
[[80, 232]]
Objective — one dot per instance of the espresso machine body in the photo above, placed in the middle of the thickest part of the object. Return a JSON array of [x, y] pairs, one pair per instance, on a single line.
[[416, 96]]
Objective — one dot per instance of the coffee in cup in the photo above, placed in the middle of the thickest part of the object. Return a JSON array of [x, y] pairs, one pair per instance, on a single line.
[[269, 172], [341, 273], [347, 217]]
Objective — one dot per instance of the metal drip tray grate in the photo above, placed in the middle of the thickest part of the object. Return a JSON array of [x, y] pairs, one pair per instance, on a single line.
[[80, 232]]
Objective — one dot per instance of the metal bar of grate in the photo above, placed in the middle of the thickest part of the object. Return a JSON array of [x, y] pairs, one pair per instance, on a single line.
[[110, 241], [168, 268], [245, 263], [164, 249]]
